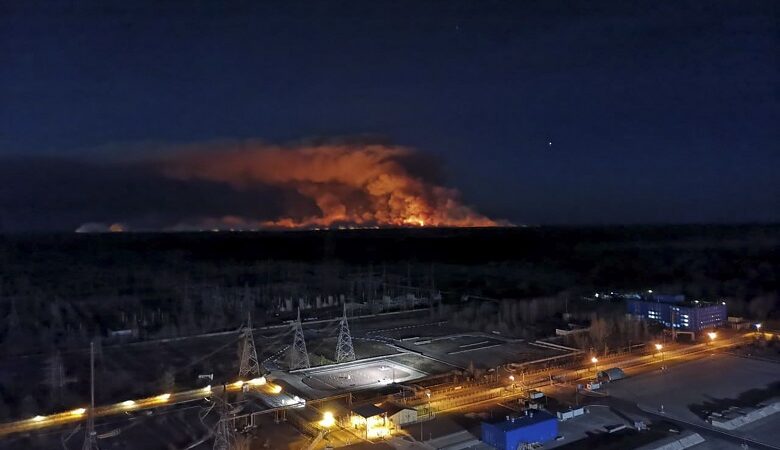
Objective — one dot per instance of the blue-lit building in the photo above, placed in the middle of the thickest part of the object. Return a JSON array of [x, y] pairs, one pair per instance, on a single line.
[[674, 311], [536, 426]]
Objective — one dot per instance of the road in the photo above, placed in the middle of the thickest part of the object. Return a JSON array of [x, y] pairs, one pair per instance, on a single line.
[[446, 398], [79, 414], [451, 398]]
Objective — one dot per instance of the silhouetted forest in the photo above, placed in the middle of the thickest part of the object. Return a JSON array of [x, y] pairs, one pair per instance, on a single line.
[[69, 287]]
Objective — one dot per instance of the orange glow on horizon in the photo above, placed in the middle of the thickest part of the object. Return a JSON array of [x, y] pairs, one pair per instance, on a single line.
[[349, 185]]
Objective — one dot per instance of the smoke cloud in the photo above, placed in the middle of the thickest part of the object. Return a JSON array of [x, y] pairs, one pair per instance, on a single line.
[[350, 183], [236, 185]]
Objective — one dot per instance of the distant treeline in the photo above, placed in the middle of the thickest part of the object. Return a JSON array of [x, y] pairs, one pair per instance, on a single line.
[[72, 286]]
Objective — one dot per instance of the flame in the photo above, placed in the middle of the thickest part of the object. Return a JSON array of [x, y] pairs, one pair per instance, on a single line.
[[350, 185]]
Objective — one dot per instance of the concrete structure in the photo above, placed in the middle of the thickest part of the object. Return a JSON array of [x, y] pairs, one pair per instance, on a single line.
[[399, 415], [675, 443], [571, 413], [732, 421], [513, 433], [676, 313]]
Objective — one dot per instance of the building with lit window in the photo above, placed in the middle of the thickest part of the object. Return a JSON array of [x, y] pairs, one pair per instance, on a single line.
[[677, 313]]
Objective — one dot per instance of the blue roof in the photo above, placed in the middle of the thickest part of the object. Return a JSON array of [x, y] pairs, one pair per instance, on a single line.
[[533, 417]]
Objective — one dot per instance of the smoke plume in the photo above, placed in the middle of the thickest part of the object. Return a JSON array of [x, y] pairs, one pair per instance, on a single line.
[[350, 184]]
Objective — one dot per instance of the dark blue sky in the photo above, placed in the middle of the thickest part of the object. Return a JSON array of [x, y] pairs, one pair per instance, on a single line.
[[658, 111]]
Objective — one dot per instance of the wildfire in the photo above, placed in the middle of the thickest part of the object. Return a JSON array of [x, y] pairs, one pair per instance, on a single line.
[[344, 185]]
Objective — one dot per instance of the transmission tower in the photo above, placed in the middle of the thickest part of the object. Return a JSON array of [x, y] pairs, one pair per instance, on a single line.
[[249, 363], [299, 357], [90, 440], [224, 433], [344, 350]]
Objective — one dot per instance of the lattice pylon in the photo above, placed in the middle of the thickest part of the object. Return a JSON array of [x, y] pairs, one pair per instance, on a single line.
[[299, 357], [223, 434], [344, 349], [250, 365]]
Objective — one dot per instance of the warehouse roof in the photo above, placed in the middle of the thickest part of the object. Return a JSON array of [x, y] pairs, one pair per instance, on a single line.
[[533, 417], [367, 411], [391, 408]]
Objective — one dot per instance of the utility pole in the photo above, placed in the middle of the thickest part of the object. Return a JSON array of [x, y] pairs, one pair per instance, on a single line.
[[90, 440], [299, 357], [250, 366], [344, 349]]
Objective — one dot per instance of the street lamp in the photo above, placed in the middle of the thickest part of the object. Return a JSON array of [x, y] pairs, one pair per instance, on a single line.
[[712, 335], [512, 379], [660, 348], [427, 394], [595, 361]]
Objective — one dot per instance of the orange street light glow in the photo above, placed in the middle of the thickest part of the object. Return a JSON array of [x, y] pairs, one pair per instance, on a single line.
[[163, 397], [78, 411]]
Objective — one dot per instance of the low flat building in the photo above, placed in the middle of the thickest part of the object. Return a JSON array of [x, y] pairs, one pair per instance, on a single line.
[[399, 415], [535, 427]]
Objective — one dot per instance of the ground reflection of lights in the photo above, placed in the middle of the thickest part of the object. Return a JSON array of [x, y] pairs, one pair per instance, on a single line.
[[375, 427]]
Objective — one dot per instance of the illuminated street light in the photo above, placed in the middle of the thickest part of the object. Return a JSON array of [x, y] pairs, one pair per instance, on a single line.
[[327, 420], [660, 348], [712, 335], [79, 411], [595, 362], [128, 403], [37, 418], [163, 397]]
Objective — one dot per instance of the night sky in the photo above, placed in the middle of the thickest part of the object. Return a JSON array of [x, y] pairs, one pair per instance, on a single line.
[[538, 112]]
